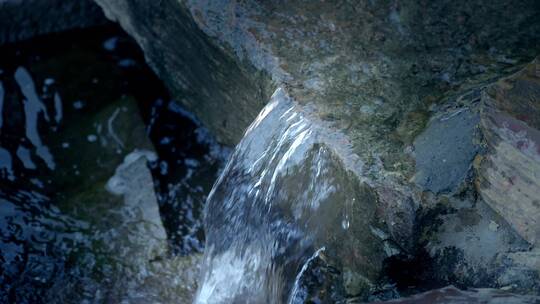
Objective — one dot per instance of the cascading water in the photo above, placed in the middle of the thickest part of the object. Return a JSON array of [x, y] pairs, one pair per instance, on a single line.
[[284, 200]]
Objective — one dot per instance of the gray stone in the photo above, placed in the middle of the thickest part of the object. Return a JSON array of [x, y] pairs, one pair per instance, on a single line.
[[224, 94], [466, 247], [509, 173], [445, 150]]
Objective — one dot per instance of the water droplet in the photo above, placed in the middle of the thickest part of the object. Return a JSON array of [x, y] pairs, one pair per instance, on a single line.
[[91, 138]]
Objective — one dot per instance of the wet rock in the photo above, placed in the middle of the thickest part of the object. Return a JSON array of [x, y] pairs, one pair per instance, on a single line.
[[410, 55], [508, 174], [181, 273], [285, 199], [394, 85], [467, 251], [452, 295], [499, 218], [398, 213], [445, 150], [224, 95], [24, 19], [133, 181]]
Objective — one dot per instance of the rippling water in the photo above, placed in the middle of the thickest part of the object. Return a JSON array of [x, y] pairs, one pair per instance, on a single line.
[[102, 178]]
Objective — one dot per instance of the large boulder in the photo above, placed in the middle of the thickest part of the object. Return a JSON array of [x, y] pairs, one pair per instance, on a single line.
[[224, 95], [388, 95]]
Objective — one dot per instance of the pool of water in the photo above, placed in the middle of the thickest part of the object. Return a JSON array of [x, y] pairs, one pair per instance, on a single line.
[[102, 176]]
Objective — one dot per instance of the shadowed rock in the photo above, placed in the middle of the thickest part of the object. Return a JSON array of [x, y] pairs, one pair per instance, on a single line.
[[224, 95], [24, 19]]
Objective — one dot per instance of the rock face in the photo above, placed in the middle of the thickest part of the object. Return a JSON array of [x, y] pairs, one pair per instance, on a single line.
[[394, 100], [452, 295], [201, 77], [24, 19], [509, 173]]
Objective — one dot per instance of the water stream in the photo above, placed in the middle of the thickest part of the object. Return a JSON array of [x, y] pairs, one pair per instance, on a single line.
[[285, 208]]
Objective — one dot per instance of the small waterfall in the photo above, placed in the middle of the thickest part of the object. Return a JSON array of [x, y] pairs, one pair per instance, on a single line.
[[285, 198]]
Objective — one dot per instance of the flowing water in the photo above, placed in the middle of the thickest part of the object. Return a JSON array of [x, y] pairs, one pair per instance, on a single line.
[[102, 177], [285, 207]]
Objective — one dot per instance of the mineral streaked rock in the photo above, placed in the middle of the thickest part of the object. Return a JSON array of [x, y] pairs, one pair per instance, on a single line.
[[367, 65], [24, 19], [527, 259], [509, 173]]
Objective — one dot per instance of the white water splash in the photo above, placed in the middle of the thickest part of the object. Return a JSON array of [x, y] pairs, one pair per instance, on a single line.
[[231, 274], [296, 287]]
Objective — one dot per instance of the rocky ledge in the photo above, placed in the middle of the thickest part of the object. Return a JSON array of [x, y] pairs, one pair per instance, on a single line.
[[422, 118], [384, 148]]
